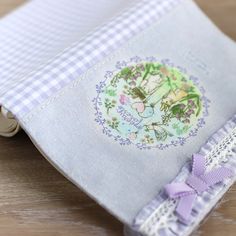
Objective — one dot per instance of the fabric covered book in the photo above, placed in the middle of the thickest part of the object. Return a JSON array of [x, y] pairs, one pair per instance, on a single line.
[[132, 101]]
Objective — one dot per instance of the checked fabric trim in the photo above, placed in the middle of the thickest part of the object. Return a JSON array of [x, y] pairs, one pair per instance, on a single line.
[[77, 59]]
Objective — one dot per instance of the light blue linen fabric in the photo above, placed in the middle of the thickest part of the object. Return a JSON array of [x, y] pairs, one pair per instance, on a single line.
[[123, 178]]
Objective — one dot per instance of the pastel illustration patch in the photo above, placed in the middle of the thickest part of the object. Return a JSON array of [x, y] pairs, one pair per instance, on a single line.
[[150, 104]]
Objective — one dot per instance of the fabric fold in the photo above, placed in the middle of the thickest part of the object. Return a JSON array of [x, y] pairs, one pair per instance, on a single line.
[[9, 126], [118, 95]]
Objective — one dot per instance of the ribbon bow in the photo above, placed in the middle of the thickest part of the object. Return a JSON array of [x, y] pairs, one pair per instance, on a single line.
[[196, 183]]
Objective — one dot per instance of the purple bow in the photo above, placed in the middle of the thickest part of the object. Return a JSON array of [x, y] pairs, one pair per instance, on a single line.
[[196, 183]]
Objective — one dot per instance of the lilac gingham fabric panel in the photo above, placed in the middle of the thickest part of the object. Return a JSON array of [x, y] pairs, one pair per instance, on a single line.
[[221, 148], [38, 31], [67, 66]]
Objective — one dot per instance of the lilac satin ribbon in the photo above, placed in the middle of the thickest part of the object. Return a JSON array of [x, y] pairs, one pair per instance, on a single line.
[[196, 183]]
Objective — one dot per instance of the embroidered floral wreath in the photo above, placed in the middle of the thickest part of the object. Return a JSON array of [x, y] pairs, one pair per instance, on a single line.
[[150, 104]]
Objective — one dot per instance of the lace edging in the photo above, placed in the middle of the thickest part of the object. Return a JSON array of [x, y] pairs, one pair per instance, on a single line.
[[158, 217]]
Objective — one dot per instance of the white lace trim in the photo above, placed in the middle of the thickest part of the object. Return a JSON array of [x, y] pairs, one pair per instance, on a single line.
[[163, 220]]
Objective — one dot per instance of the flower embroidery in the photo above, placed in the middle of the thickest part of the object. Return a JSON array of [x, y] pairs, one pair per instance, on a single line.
[[150, 104]]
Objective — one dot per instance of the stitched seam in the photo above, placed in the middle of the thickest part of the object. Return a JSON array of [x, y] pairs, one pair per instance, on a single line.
[[163, 216], [73, 84]]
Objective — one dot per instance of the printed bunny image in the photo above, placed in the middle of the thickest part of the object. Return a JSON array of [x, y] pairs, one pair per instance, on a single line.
[[150, 103]]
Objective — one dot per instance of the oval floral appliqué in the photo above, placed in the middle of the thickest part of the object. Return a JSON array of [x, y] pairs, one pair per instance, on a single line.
[[150, 104]]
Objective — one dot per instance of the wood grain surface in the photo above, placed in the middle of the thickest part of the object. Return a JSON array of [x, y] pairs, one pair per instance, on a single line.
[[36, 200]]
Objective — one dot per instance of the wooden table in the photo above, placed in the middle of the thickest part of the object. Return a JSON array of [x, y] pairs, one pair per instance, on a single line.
[[36, 200]]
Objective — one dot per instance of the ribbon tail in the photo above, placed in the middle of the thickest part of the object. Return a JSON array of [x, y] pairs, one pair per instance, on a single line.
[[184, 207]]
